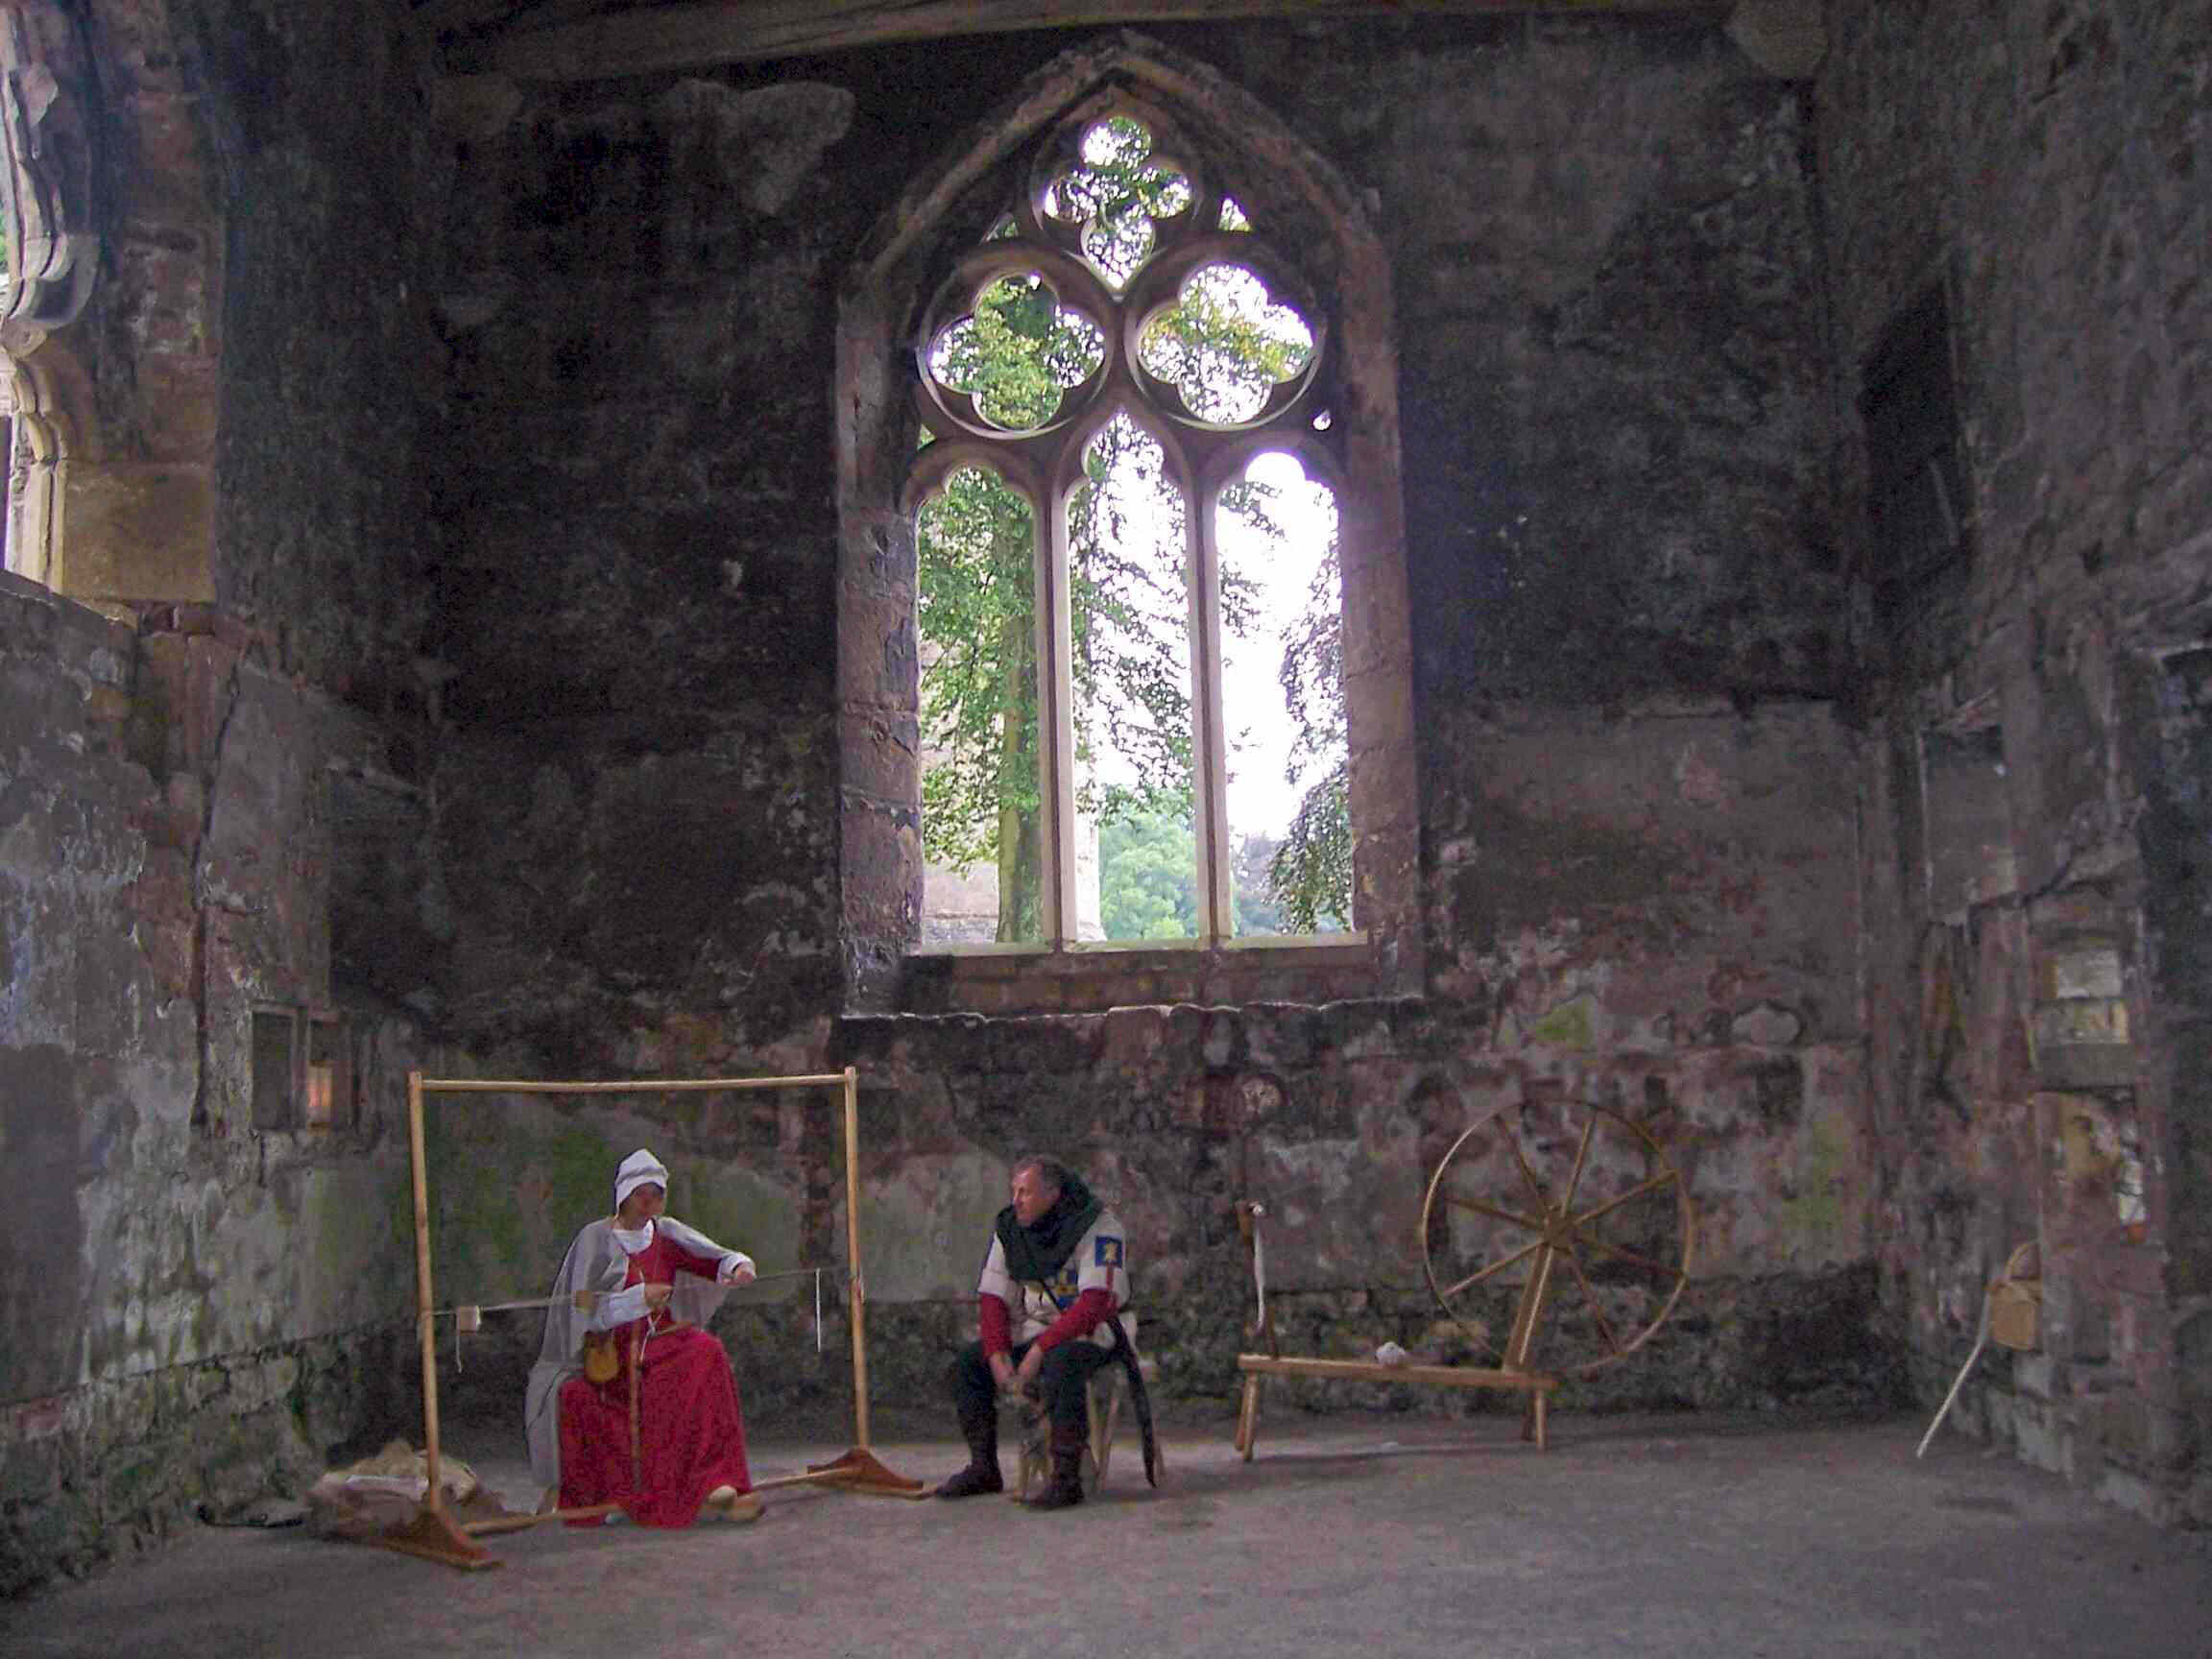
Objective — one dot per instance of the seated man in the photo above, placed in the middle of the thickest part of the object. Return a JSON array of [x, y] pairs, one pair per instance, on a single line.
[[656, 1283], [1060, 1257]]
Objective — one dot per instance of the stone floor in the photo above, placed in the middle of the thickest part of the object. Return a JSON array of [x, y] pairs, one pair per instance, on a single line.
[[1693, 1536]]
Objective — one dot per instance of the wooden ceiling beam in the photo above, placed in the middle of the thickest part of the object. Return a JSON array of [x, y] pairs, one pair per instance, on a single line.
[[445, 16], [698, 36]]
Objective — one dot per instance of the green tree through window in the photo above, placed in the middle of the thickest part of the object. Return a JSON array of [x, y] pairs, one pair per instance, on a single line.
[[1033, 407]]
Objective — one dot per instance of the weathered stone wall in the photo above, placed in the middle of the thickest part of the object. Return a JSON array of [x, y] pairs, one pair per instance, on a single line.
[[206, 1269], [198, 1302], [1609, 329], [330, 171], [1639, 885], [2036, 980]]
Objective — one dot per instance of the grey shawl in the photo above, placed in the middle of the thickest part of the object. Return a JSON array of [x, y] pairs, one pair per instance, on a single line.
[[596, 1263]]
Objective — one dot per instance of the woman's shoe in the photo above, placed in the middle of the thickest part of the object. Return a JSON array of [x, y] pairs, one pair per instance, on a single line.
[[727, 1504]]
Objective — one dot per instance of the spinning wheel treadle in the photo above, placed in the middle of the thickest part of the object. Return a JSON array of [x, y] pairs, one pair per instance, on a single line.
[[1558, 1208]]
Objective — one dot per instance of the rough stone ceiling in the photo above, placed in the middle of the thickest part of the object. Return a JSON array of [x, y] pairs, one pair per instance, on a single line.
[[578, 39]]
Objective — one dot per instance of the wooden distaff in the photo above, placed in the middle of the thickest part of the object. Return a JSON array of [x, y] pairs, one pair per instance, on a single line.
[[637, 1441]]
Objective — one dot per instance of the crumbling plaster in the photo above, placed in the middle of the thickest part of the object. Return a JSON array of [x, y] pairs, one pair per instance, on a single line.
[[200, 1308], [2033, 991]]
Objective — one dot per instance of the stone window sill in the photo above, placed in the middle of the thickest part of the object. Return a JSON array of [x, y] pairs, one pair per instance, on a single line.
[[1095, 976]]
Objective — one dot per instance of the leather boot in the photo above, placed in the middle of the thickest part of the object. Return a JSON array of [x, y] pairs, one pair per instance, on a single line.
[[1065, 1490], [980, 1424]]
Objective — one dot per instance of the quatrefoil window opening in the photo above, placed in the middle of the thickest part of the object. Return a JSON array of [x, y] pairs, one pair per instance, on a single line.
[[1119, 194], [1225, 344], [1018, 354]]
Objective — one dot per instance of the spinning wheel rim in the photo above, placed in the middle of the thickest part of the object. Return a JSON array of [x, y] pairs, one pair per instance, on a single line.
[[1552, 1235]]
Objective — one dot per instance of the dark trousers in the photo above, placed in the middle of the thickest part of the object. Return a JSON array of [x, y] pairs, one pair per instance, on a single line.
[[1062, 1377]]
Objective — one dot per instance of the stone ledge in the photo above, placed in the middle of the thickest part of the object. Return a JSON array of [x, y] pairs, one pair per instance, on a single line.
[[1097, 980]]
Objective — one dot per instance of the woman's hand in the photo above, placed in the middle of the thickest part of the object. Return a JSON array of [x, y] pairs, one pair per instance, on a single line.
[[657, 1297], [740, 1274]]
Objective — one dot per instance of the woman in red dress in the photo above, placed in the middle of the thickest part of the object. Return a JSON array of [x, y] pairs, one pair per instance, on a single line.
[[655, 1283]]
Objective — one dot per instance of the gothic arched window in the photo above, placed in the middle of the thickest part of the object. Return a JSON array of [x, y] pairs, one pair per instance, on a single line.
[[1131, 688], [1146, 681]]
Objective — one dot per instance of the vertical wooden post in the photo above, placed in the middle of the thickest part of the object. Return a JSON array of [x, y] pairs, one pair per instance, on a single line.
[[1530, 1315], [1248, 1416], [425, 1319], [859, 1283]]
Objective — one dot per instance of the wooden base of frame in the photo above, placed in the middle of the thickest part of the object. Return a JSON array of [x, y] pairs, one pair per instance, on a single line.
[[433, 1536], [862, 1471]]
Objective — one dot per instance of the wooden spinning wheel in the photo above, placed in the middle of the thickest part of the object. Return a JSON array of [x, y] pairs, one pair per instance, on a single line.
[[1558, 1208]]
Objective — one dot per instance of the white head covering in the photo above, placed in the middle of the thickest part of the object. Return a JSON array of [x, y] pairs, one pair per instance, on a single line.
[[637, 1170]]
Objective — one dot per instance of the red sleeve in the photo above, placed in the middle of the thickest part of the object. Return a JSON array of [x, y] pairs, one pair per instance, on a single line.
[[682, 1260], [1084, 1315], [992, 1325]]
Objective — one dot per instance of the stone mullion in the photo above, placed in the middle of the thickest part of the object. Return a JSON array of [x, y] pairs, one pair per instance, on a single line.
[[1055, 690]]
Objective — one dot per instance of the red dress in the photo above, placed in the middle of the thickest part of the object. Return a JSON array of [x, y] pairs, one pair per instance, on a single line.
[[690, 1435]]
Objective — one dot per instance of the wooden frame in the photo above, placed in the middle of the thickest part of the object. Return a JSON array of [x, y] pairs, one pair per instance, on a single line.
[[1515, 1375], [433, 1533]]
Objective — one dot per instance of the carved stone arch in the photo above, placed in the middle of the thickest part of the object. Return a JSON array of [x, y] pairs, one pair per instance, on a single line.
[[1303, 203], [113, 319]]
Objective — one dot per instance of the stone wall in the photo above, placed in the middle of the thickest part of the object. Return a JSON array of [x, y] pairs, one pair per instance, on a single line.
[[2035, 975], [330, 169], [1637, 884], [207, 1274], [204, 1247]]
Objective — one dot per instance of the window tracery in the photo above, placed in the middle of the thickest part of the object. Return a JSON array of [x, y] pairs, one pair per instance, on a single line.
[[1117, 593]]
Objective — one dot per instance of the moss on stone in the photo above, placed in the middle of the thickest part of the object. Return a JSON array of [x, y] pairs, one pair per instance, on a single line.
[[1813, 1213], [1573, 1024]]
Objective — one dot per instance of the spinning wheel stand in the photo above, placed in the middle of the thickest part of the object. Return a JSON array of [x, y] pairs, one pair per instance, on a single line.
[[1526, 1201]]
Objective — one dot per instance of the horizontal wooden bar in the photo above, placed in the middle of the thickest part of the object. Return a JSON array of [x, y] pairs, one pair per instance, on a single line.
[[643, 1084], [654, 39], [811, 1478], [1373, 1371], [516, 1523]]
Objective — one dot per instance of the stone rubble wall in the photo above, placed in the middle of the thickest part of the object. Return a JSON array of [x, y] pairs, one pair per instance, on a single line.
[[2032, 786], [194, 1309], [209, 777]]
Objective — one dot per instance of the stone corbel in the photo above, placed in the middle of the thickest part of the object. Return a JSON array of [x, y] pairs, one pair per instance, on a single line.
[[1785, 37]]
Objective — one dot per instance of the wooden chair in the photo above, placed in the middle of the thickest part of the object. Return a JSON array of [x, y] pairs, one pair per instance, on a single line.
[[1102, 1402]]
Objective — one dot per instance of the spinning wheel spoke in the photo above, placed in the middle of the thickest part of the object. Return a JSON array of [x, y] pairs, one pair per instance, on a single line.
[[1590, 1298], [1535, 1187], [1581, 1158], [1481, 1274], [1527, 1223], [1634, 1192], [1631, 1255]]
